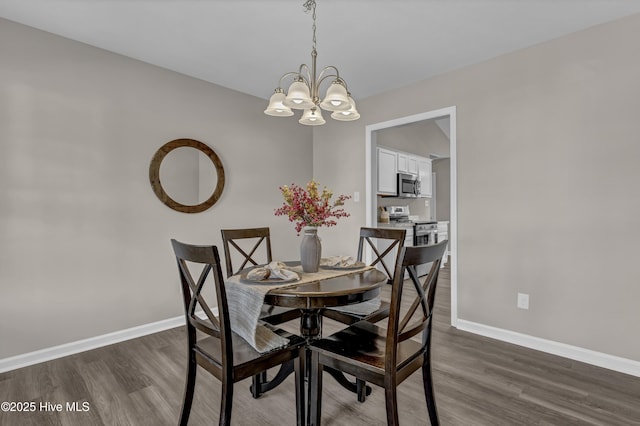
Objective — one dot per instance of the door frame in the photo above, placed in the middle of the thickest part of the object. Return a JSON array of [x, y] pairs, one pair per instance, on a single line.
[[371, 172]]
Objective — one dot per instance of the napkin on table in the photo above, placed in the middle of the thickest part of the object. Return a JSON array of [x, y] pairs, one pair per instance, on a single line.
[[273, 270], [338, 261]]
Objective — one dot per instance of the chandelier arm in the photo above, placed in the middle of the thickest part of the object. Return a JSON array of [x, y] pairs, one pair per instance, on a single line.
[[336, 75], [330, 67], [308, 78], [285, 76], [321, 79], [305, 78], [338, 78]]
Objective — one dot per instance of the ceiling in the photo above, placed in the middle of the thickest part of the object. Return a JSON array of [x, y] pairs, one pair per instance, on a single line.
[[377, 45]]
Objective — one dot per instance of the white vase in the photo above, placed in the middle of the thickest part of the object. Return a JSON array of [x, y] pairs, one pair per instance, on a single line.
[[310, 250]]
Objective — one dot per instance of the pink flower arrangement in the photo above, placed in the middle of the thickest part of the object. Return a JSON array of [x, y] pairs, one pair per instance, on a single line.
[[308, 207]]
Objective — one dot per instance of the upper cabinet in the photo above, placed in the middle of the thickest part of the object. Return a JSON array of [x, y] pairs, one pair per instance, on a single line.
[[407, 163], [387, 170], [391, 162], [424, 172]]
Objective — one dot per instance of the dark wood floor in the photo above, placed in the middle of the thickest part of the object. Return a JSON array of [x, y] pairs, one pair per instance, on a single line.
[[478, 381]]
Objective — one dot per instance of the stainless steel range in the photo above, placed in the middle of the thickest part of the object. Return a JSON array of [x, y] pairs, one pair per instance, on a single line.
[[418, 232], [398, 214], [425, 233]]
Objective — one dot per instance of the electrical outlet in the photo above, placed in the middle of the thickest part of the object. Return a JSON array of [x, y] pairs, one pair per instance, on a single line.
[[356, 197], [523, 301]]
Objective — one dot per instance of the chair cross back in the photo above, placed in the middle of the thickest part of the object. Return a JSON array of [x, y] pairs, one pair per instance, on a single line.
[[219, 327], [396, 236], [262, 237], [192, 290], [425, 299]]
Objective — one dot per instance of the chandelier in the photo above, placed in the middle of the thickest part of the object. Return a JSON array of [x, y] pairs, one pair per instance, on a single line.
[[304, 91]]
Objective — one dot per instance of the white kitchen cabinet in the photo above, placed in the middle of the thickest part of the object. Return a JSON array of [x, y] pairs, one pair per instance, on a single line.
[[387, 170], [424, 173], [443, 234], [407, 163]]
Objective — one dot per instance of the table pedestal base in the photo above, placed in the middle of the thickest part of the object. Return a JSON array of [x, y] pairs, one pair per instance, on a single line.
[[311, 328]]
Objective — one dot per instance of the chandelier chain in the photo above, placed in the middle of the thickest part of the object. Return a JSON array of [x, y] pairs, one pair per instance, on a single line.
[[310, 5]]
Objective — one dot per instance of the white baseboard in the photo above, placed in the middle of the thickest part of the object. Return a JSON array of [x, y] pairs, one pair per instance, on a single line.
[[576, 353], [71, 348]]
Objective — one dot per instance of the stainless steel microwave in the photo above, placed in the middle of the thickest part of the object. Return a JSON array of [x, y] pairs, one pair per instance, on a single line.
[[408, 185]]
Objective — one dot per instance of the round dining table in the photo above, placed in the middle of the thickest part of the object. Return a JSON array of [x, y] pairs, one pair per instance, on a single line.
[[312, 298]]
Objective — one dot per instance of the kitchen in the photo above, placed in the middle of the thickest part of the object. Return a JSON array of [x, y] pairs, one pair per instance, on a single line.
[[413, 185]]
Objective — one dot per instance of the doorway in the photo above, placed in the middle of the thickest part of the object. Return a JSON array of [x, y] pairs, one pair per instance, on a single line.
[[444, 115]]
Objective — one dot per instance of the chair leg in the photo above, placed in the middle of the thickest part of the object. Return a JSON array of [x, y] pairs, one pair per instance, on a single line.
[[361, 389], [315, 391], [298, 366], [226, 401], [428, 390], [260, 384], [189, 389], [391, 399], [256, 383]]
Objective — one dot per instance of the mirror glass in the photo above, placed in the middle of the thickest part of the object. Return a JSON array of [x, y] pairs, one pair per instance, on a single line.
[[187, 175]]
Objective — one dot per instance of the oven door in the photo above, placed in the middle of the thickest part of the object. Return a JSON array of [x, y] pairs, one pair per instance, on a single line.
[[421, 240], [425, 237]]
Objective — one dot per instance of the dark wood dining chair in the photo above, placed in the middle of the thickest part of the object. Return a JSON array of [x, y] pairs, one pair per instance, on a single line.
[[386, 357], [259, 237], [371, 237], [258, 254], [211, 342], [252, 246], [393, 241]]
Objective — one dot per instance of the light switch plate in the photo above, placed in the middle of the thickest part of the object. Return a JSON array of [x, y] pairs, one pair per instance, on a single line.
[[523, 301]]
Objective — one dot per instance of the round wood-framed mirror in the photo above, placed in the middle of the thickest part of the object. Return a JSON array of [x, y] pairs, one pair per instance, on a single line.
[[156, 184]]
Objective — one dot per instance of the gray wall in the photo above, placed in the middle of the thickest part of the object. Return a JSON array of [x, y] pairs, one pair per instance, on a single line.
[[84, 242], [421, 138], [548, 183]]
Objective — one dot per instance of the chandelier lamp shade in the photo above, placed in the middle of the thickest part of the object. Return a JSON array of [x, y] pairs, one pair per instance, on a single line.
[[304, 91]]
